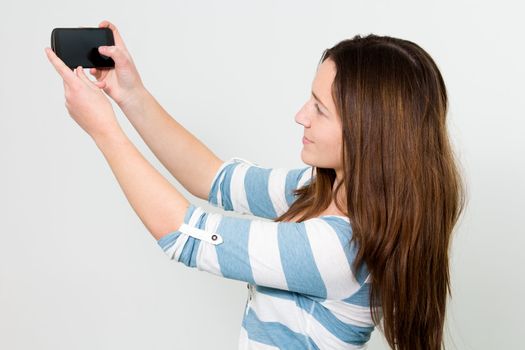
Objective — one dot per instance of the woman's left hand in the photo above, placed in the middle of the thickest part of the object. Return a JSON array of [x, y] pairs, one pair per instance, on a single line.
[[85, 100]]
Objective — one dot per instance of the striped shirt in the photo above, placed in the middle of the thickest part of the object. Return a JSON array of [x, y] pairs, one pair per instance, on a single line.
[[303, 290]]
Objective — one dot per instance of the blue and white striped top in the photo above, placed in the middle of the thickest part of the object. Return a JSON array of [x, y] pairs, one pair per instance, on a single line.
[[303, 291]]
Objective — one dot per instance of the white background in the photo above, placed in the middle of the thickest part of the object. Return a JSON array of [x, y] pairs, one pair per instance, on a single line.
[[78, 270]]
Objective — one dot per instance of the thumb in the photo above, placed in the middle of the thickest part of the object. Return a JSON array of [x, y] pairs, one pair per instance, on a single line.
[[112, 51]]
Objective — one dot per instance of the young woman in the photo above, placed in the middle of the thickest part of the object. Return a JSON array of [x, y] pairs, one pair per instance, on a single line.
[[357, 239]]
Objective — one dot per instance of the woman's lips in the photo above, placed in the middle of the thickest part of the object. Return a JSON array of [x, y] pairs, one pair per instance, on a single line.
[[306, 141]]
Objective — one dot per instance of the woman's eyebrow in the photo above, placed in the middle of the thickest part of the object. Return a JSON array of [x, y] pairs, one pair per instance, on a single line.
[[317, 98]]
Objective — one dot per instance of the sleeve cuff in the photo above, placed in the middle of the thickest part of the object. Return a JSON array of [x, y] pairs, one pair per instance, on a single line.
[[166, 241], [191, 226]]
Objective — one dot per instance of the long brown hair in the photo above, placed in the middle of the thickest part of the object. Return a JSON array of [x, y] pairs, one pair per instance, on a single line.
[[404, 190]]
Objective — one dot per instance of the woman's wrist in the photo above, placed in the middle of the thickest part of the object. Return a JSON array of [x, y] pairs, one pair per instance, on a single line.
[[133, 98]]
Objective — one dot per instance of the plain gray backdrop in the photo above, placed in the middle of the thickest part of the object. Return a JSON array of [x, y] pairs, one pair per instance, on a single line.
[[78, 270]]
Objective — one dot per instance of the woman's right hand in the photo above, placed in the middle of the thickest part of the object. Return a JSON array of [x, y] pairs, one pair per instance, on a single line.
[[123, 81]]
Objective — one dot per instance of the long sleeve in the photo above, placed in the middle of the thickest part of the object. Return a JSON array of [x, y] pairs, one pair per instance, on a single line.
[[247, 188], [312, 257]]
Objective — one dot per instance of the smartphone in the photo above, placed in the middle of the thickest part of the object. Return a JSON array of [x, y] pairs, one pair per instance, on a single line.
[[79, 46]]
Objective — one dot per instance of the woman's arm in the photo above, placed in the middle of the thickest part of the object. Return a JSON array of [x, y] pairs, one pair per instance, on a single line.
[[186, 157], [159, 205], [248, 188]]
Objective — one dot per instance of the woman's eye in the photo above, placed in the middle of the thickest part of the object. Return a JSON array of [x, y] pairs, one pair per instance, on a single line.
[[317, 106]]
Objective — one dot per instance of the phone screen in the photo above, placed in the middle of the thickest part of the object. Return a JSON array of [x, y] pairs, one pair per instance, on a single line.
[[79, 46]]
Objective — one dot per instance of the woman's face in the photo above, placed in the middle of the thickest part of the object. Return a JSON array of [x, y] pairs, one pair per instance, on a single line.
[[321, 123]]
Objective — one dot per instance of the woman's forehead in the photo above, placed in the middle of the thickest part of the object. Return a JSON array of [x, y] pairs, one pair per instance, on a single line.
[[322, 84]]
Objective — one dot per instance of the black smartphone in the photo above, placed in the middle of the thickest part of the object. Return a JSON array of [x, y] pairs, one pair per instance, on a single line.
[[79, 46]]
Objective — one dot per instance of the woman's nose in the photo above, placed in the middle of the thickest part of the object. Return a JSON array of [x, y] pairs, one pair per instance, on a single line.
[[302, 118]]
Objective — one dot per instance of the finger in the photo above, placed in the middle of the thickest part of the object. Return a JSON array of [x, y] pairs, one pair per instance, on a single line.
[[100, 84], [101, 73], [114, 51], [97, 84], [80, 73], [116, 34], [65, 72], [96, 73]]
